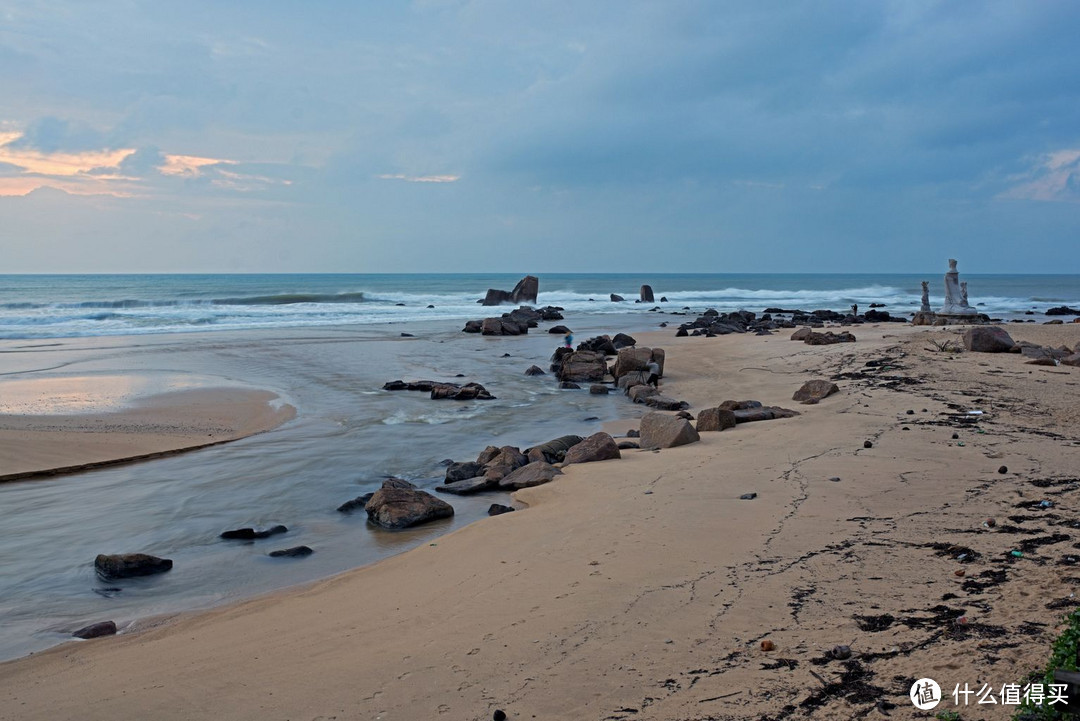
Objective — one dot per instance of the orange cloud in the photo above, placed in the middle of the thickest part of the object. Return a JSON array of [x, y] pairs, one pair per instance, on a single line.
[[189, 165]]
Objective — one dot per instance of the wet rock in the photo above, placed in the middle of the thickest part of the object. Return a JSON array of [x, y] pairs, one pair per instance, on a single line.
[[659, 430], [640, 394], [597, 447], [747, 496], [535, 371], [553, 451], [96, 630], [559, 329], [468, 486], [988, 339], [633, 433], [250, 534], [569, 386], [665, 403], [814, 391], [460, 471], [867, 444], [392, 482], [497, 509], [507, 460], [646, 294], [582, 367], [598, 389], [615, 298], [129, 565], [1003, 470], [355, 504], [532, 474], [395, 508], [294, 552], [715, 419]]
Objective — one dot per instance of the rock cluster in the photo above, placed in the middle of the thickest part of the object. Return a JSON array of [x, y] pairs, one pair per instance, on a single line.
[[516, 322], [525, 291], [827, 338], [440, 390]]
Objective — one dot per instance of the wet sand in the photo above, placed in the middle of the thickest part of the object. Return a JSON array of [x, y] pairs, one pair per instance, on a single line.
[[643, 587]]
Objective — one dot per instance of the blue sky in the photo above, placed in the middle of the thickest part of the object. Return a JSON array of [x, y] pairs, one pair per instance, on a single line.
[[441, 135]]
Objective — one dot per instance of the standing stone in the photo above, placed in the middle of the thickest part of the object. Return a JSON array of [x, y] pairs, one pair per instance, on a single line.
[[526, 290], [647, 294], [659, 430], [925, 307]]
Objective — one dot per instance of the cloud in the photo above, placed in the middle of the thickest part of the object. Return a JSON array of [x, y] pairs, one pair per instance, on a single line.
[[422, 178], [55, 135], [1054, 177]]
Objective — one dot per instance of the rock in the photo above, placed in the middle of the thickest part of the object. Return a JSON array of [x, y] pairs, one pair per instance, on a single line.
[[801, 334], [867, 444], [392, 482], [468, 486], [987, 339], [535, 371], [747, 496], [1071, 360], [473, 326], [569, 386], [467, 392], [813, 391], [640, 394], [396, 508], [715, 419], [647, 294], [659, 430], [407, 335], [617, 298], [663, 299], [1047, 361], [356, 503], [559, 329], [250, 534], [487, 454], [461, 471], [633, 433], [635, 360], [96, 630], [599, 344], [128, 565], [496, 297], [681, 333], [554, 450], [532, 474], [1063, 310], [497, 509], [628, 445], [507, 460], [294, 552], [499, 715], [526, 290], [664, 403], [1003, 469], [597, 447], [766, 413], [582, 366], [622, 340], [629, 380], [598, 389], [828, 338]]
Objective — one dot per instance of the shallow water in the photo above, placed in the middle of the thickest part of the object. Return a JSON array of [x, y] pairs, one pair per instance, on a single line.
[[347, 436]]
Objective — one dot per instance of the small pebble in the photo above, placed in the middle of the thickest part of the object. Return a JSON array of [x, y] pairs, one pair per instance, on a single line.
[[840, 652], [959, 572], [835, 479], [911, 413], [747, 496], [955, 436], [867, 444], [905, 428], [767, 645], [1003, 469], [990, 523], [499, 715]]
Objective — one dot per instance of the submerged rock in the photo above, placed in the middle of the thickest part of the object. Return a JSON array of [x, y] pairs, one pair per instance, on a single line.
[[250, 534], [396, 508], [96, 630], [294, 552], [129, 565]]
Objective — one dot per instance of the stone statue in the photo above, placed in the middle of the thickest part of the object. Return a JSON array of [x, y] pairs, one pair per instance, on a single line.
[[963, 294], [925, 308], [955, 297]]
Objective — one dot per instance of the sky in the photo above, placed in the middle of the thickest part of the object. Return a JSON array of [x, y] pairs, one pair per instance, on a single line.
[[462, 135]]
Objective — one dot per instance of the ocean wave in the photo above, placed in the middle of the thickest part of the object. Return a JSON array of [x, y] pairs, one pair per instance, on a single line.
[[292, 299]]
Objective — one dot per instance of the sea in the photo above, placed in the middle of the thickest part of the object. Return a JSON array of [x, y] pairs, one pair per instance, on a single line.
[[326, 344]]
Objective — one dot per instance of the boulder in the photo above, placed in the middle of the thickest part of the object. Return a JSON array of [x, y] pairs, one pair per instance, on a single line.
[[599, 389], [96, 630], [715, 419], [496, 297], [497, 509], [640, 394], [507, 460], [632, 360], [569, 386], [396, 508], [814, 391], [1072, 360], [764, 413], [526, 290], [467, 392], [647, 294], [473, 326], [532, 474], [622, 340], [128, 565], [535, 371], [828, 338], [987, 339], [294, 552], [467, 486], [597, 447], [628, 445], [659, 430], [599, 344], [587, 366], [397, 483], [560, 329], [461, 471], [1063, 310], [615, 298], [739, 405], [554, 450], [250, 534], [629, 380]]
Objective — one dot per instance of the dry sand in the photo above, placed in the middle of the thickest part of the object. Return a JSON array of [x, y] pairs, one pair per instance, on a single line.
[[642, 588], [111, 428]]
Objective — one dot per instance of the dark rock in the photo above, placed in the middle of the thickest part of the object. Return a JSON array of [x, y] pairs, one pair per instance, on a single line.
[[867, 444], [622, 340], [357, 503], [496, 297], [801, 334], [617, 298], [1063, 310], [499, 715], [633, 433], [467, 486], [647, 294], [663, 299], [814, 391], [681, 333], [250, 534], [747, 496], [715, 419], [598, 344], [532, 474], [659, 430], [96, 630], [569, 386], [535, 371], [597, 447], [641, 393], [766, 413], [526, 290], [467, 392], [392, 482], [554, 450], [430, 306], [634, 359], [828, 338], [461, 471], [507, 460], [1071, 360], [598, 389], [664, 403], [407, 335], [497, 509], [628, 445], [559, 329], [395, 508], [740, 405], [128, 565], [294, 552], [987, 339], [876, 316]]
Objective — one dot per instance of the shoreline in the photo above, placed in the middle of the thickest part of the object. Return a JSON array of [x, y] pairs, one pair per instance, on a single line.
[[646, 522]]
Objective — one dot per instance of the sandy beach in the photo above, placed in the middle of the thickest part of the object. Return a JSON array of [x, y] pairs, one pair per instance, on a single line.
[[643, 587]]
